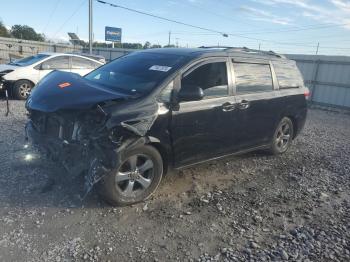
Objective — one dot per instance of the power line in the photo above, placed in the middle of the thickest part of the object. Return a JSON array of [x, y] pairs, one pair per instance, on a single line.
[[291, 29], [297, 28], [219, 32], [220, 15], [162, 18], [69, 18], [51, 15], [320, 26], [294, 44]]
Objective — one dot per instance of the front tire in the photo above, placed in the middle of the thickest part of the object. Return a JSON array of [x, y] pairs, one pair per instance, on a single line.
[[21, 89], [135, 179], [282, 137]]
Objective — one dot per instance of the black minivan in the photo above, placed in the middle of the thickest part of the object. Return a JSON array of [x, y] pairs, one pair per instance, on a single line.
[[126, 123]]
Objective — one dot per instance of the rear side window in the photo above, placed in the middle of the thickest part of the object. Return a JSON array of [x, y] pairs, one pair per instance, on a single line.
[[251, 78], [59, 62], [94, 64], [81, 63], [211, 77], [288, 74]]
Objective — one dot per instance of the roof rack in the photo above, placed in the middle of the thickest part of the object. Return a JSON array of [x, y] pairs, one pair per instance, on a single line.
[[216, 47], [245, 49]]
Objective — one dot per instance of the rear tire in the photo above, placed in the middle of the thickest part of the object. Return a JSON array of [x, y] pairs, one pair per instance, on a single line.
[[135, 179], [282, 137], [21, 89]]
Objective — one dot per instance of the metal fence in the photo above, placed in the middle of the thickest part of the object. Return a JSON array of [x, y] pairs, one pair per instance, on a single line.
[[12, 47], [16, 48], [109, 53], [327, 77]]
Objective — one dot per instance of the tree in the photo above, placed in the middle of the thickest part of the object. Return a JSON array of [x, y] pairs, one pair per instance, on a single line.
[[26, 32], [156, 46], [3, 30], [132, 45], [147, 45]]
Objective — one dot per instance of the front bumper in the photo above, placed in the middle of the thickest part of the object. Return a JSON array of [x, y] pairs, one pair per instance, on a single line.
[[2, 84], [5, 84], [40, 140], [70, 155]]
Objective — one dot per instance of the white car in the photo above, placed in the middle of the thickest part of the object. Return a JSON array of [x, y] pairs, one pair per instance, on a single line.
[[20, 76]]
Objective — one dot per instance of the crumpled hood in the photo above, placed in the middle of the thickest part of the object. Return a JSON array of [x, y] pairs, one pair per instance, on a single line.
[[63, 90], [4, 67]]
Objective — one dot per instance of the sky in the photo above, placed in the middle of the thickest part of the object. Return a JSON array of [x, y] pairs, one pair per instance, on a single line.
[[284, 26]]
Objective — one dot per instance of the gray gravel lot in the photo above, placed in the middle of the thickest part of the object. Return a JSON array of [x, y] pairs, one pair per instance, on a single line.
[[253, 207]]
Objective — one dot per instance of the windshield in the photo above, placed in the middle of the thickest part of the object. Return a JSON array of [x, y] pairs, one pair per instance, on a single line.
[[28, 60], [137, 73]]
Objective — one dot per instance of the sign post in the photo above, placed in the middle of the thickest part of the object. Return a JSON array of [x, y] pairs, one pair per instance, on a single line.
[[113, 34]]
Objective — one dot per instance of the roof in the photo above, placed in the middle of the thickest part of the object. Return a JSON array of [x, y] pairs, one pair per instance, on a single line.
[[211, 51]]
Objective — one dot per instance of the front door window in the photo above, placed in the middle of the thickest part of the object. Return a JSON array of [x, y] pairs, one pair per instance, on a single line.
[[211, 77]]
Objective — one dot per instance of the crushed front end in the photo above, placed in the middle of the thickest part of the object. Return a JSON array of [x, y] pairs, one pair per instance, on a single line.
[[79, 140], [84, 127]]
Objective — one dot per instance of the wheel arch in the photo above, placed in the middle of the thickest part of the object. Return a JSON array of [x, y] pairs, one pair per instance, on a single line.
[[163, 153], [295, 124], [24, 79]]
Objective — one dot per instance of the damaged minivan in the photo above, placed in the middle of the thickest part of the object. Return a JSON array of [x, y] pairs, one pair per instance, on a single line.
[[125, 124]]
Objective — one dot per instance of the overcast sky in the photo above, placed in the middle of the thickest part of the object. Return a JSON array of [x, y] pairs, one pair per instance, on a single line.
[[287, 26]]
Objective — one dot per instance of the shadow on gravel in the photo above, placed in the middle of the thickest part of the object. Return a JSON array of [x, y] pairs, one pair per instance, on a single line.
[[30, 180], [38, 182]]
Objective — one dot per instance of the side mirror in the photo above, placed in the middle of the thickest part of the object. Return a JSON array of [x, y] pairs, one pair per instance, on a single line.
[[45, 67], [190, 93]]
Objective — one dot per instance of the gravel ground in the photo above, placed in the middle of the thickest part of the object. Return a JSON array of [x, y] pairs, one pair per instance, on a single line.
[[253, 207]]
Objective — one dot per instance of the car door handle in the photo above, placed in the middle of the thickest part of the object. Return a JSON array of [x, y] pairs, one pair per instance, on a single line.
[[226, 107], [244, 104]]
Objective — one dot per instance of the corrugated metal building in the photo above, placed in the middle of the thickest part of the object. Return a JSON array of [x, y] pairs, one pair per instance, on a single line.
[[328, 78]]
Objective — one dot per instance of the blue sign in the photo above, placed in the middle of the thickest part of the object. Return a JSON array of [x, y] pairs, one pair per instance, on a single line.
[[113, 34]]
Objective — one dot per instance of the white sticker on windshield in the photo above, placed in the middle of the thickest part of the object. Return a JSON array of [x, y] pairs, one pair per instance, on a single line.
[[160, 68]]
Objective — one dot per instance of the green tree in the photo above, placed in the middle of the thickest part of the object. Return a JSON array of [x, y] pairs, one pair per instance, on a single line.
[[147, 45], [156, 46], [26, 32], [3, 30], [132, 45]]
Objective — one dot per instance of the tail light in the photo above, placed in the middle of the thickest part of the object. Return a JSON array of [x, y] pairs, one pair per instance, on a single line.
[[307, 93]]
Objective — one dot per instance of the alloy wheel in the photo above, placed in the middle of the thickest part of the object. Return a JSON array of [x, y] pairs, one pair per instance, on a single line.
[[24, 90], [283, 136], [135, 175]]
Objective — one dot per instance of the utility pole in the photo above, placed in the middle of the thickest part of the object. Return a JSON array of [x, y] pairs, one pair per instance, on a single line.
[[90, 27], [169, 38], [177, 42], [259, 46], [318, 45]]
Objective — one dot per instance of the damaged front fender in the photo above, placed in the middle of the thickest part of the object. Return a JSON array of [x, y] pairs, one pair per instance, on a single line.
[[129, 124]]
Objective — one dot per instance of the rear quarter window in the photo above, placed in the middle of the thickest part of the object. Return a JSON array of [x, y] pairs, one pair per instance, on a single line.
[[288, 74]]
